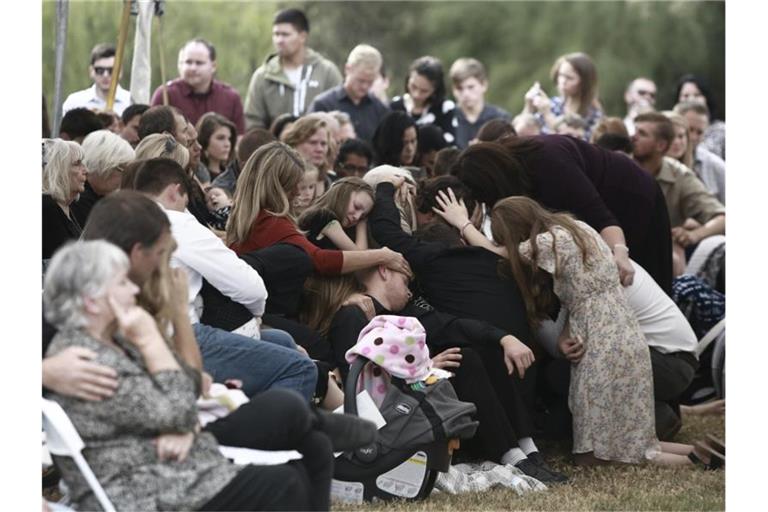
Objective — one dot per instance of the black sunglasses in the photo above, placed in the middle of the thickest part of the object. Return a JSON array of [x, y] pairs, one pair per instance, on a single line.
[[100, 70]]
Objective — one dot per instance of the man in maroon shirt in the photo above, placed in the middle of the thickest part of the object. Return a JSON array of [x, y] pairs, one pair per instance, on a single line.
[[196, 92]]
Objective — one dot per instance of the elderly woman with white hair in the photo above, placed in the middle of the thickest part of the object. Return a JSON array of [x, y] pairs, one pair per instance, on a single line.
[[64, 175], [143, 443], [106, 156]]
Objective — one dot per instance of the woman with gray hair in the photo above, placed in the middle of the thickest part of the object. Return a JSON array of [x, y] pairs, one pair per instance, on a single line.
[[144, 443], [64, 175], [106, 156]]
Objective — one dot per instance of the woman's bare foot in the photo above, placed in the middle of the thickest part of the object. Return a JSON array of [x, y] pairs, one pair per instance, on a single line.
[[708, 408]]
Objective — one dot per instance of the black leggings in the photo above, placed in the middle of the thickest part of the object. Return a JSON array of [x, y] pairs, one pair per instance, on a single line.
[[277, 419], [501, 411]]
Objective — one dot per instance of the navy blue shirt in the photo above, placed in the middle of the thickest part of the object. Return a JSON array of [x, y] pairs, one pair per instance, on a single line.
[[466, 131], [366, 115]]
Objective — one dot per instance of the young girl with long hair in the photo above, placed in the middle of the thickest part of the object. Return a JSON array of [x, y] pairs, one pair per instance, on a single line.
[[575, 77], [554, 256]]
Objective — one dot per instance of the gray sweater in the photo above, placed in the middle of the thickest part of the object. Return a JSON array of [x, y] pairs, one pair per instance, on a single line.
[[118, 434]]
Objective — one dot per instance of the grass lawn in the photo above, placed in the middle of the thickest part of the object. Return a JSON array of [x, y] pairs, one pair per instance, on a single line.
[[645, 487]]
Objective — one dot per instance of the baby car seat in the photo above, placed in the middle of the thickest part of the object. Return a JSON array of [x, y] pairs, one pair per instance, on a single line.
[[424, 423]]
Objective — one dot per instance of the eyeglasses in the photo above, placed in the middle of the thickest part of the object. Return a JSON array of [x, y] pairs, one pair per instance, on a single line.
[[100, 70]]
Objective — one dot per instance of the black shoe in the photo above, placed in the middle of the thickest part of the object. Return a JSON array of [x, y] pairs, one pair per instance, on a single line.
[[530, 468], [537, 459], [346, 431]]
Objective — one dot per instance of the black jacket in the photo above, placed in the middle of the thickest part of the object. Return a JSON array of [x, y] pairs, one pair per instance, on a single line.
[[462, 281]]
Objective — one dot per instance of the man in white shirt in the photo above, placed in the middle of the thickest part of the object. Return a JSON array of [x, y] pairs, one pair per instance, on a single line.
[[95, 97], [202, 255]]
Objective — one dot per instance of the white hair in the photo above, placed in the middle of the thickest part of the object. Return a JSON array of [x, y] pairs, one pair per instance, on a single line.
[[162, 145], [58, 158], [78, 270], [104, 151]]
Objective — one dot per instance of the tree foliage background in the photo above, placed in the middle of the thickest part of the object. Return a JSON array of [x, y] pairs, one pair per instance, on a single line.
[[517, 41]]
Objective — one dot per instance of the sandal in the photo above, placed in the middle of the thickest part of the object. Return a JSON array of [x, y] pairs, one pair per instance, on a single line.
[[706, 457], [716, 443]]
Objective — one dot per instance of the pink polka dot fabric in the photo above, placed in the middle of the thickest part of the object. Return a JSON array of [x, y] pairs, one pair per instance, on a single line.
[[398, 345]]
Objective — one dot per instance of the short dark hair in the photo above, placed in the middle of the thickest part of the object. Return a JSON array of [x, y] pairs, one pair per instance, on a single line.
[[252, 140], [157, 173], [354, 147], [208, 45], [295, 17], [431, 138], [445, 159], [426, 198], [615, 142], [280, 122], [494, 130], [157, 119], [664, 128], [126, 218], [79, 122], [132, 111], [102, 51]]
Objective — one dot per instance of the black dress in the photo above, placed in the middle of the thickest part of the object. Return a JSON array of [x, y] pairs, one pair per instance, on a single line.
[[58, 228]]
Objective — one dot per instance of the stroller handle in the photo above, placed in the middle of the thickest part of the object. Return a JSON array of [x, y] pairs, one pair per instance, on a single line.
[[350, 386]]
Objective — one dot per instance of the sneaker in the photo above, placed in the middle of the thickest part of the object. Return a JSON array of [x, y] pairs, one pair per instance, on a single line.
[[530, 468], [537, 459], [346, 431]]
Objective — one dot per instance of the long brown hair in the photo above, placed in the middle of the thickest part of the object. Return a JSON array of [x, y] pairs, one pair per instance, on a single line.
[[516, 219], [268, 178], [209, 123], [585, 68], [156, 294], [323, 297], [336, 199]]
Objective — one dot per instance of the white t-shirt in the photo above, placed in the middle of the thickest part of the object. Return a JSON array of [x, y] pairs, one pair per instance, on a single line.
[[294, 75], [665, 327]]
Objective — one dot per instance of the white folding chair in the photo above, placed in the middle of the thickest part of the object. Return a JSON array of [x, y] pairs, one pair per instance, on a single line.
[[64, 440]]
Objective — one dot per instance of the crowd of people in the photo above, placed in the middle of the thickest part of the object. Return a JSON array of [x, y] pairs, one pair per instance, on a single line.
[[564, 264]]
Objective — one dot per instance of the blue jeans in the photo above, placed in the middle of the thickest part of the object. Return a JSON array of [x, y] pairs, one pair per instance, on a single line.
[[259, 365], [278, 337]]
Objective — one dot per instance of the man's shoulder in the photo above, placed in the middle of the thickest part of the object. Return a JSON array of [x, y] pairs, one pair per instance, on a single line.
[[494, 112], [674, 170], [224, 89], [331, 96], [79, 98]]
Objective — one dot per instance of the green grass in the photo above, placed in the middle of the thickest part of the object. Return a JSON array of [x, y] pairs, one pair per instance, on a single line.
[[646, 487]]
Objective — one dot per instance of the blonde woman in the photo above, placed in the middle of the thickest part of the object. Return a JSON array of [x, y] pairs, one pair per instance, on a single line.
[[681, 148], [262, 215], [106, 157], [311, 136], [64, 176]]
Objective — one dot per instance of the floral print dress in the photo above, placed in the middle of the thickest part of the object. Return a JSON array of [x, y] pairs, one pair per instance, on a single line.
[[611, 392]]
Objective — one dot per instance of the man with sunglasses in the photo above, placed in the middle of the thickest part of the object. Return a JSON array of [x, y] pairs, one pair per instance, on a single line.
[[95, 97], [640, 98]]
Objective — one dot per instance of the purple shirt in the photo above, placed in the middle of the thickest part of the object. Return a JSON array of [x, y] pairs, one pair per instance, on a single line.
[[603, 188], [220, 98]]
